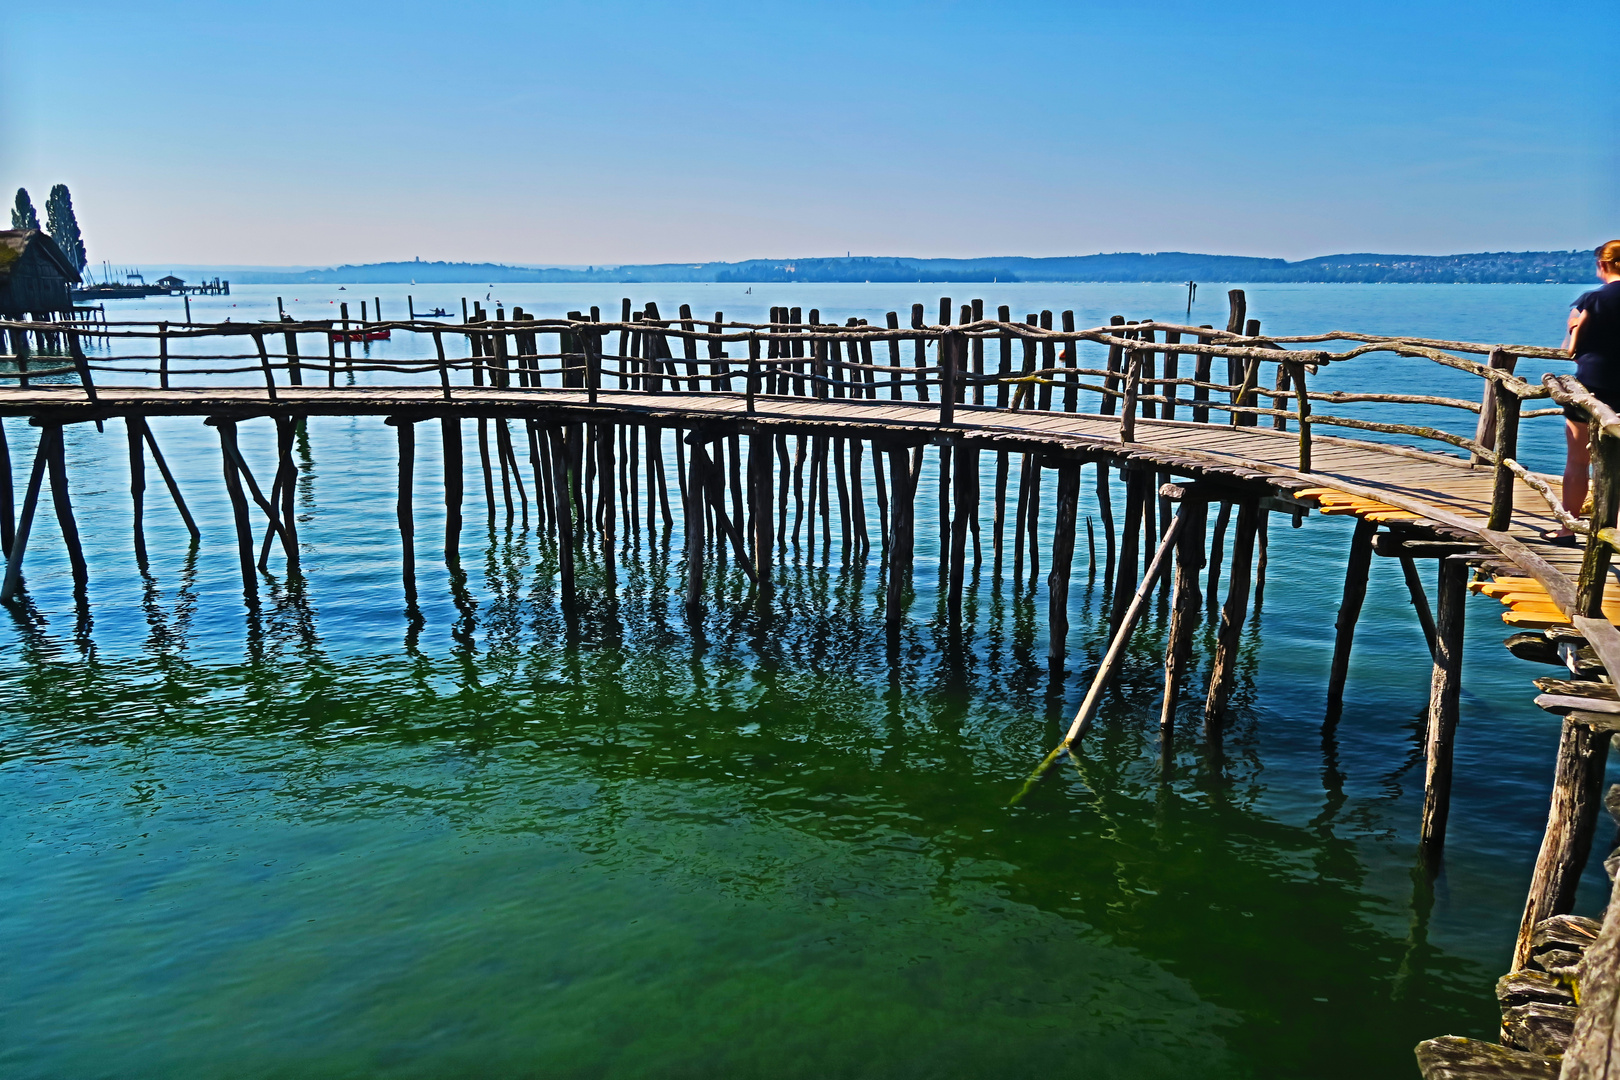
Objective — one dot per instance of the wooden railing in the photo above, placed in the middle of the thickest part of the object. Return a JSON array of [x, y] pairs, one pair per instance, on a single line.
[[1036, 368]]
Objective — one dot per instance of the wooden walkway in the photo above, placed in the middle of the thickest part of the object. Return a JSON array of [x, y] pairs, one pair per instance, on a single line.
[[1450, 498]]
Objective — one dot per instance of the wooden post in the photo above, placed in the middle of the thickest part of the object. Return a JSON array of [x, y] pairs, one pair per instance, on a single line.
[[1445, 689], [902, 487], [1057, 579], [402, 506], [1355, 593], [1186, 614], [1127, 417], [966, 498], [1506, 446], [566, 503], [168, 480], [1112, 660], [1201, 366], [760, 453], [1233, 615], [1420, 603], [950, 358], [25, 521], [295, 370], [450, 437], [83, 367], [137, 489], [1302, 408], [57, 466], [239, 506], [1577, 791], [287, 481], [604, 472], [1136, 482], [1485, 431], [1605, 502], [694, 532]]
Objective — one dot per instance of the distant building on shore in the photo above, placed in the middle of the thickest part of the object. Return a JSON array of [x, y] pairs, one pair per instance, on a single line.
[[35, 277]]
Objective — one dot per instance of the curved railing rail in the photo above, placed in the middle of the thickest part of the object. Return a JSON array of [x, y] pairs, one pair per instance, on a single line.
[[1035, 367]]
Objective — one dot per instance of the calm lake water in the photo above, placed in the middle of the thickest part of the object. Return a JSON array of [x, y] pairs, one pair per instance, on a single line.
[[320, 841]]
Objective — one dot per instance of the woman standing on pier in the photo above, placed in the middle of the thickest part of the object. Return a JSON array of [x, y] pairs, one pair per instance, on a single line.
[[1594, 341]]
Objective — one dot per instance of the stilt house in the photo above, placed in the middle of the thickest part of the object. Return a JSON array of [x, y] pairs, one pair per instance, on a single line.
[[35, 277]]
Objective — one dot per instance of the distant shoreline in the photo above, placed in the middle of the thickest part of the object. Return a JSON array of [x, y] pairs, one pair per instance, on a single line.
[[1523, 267]]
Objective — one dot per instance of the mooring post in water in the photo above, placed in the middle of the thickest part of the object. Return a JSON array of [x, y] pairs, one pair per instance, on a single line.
[[1057, 579], [406, 429], [25, 521], [1355, 593], [1583, 752], [1188, 610], [1112, 660], [1224, 669], [1445, 691]]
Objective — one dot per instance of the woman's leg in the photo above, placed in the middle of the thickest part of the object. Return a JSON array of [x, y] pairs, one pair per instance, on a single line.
[[1577, 465]]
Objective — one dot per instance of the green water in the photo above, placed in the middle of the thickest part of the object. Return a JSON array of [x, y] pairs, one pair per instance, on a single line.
[[326, 840]]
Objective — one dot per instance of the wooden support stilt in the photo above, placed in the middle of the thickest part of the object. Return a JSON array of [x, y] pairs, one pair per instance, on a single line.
[[1184, 616], [8, 509], [1224, 669], [1445, 692], [1261, 541], [944, 451], [1057, 580], [402, 507], [998, 529], [287, 481], [760, 451], [1112, 660], [1355, 592], [1136, 484], [25, 521], [604, 472], [841, 475], [1020, 512], [902, 490], [881, 489], [239, 505], [1105, 508], [784, 471], [169, 481], [137, 489], [694, 534], [1577, 795], [567, 503], [57, 465], [489, 477], [798, 490], [1420, 602], [857, 499], [1217, 553], [966, 462], [450, 437], [1032, 518]]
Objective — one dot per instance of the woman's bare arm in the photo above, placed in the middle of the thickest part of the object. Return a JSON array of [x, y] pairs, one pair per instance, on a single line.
[[1577, 319]]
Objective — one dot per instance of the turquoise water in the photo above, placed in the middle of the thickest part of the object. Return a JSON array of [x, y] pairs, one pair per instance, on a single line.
[[321, 840]]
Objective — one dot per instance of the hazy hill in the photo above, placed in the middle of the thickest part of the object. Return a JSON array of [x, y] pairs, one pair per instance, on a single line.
[[1572, 267]]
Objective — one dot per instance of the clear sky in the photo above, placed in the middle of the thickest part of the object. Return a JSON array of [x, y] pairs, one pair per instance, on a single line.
[[607, 132]]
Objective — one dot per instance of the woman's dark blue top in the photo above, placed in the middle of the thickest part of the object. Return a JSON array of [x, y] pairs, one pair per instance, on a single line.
[[1597, 365]]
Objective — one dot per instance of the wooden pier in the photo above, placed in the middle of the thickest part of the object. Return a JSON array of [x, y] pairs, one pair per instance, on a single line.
[[780, 427]]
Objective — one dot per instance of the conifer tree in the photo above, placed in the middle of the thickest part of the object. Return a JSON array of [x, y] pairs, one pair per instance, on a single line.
[[64, 227], [22, 214]]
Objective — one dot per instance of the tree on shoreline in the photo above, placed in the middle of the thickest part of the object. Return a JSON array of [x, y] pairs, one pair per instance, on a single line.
[[64, 226], [22, 214]]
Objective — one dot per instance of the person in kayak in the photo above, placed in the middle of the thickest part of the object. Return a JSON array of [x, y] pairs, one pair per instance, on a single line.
[[1593, 341]]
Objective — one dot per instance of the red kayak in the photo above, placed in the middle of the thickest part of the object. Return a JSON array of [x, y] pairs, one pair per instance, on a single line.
[[360, 335]]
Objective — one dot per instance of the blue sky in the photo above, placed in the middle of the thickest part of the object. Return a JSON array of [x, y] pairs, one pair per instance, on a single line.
[[304, 133]]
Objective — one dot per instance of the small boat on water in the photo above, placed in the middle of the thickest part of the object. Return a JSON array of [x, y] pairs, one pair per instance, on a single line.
[[360, 335], [436, 313]]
